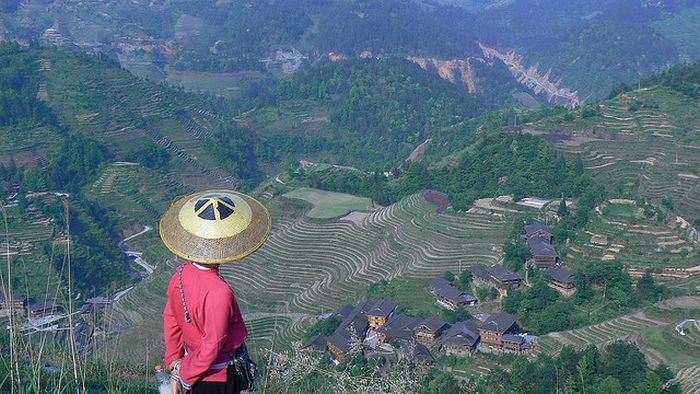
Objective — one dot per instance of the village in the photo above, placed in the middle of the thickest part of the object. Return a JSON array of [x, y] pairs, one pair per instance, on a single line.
[[377, 328]]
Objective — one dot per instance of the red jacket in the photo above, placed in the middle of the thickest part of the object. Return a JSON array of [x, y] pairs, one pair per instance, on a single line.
[[216, 329]]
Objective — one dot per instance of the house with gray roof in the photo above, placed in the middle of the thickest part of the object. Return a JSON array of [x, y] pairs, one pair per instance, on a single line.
[[498, 333], [543, 253], [410, 328], [316, 342], [379, 312], [537, 230], [44, 309], [351, 332], [450, 297], [561, 280], [12, 305], [497, 275], [417, 354], [430, 329], [461, 339]]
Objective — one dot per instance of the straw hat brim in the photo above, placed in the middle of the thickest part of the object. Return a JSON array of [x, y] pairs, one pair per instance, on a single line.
[[215, 251]]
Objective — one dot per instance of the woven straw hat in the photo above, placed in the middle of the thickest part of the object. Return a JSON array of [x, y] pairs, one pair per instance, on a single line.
[[215, 226]]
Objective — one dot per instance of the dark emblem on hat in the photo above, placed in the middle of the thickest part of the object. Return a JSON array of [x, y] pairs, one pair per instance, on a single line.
[[214, 207]]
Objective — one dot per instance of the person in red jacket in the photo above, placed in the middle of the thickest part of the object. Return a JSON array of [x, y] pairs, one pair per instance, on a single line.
[[203, 327]]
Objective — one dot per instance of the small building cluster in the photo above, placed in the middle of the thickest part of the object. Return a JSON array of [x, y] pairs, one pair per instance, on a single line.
[[539, 240], [374, 327]]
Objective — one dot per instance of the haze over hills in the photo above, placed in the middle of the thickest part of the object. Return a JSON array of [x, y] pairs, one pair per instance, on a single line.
[[347, 119], [567, 45]]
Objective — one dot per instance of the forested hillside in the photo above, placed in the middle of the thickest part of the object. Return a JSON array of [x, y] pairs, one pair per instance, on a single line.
[[344, 112]]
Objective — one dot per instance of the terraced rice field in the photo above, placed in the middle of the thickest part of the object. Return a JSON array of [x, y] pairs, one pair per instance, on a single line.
[[311, 266], [124, 113], [655, 151], [652, 330], [622, 328], [637, 242]]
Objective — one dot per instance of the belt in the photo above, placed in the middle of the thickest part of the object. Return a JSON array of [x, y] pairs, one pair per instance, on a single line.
[[225, 364], [221, 365]]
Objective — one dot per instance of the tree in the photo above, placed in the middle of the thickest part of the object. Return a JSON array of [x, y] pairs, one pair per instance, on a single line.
[[444, 383], [650, 385], [324, 327], [646, 287], [465, 280], [449, 276], [609, 385], [563, 210], [624, 362]]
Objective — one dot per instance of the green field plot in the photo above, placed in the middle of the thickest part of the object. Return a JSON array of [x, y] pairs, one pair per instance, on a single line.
[[621, 211], [329, 204], [231, 85]]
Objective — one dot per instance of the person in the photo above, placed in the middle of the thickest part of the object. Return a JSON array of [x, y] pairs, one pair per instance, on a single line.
[[203, 326]]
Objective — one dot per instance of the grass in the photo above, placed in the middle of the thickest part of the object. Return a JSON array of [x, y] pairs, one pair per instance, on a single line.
[[231, 85], [329, 205]]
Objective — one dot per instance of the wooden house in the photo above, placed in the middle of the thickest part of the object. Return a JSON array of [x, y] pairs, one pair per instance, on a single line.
[[450, 297], [537, 230], [498, 333], [497, 275], [461, 339], [561, 280], [543, 253], [12, 305]]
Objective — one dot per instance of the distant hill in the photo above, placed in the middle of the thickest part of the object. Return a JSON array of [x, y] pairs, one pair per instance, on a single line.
[[589, 46]]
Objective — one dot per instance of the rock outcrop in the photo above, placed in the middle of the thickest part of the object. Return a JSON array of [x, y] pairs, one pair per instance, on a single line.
[[531, 77]]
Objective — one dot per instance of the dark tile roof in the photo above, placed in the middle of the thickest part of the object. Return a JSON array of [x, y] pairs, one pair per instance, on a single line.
[[316, 341], [479, 271], [502, 273], [535, 227], [541, 247], [401, 327], [447, 290], [560, 275], [87, 308], [343, 311], [464, 333], [432, 323], [43, 306], [498, 271], [341, 339], [498, 322], [422, 354], [380, 308]]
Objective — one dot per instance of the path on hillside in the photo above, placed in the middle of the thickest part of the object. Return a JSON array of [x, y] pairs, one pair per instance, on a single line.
[[136, 254]]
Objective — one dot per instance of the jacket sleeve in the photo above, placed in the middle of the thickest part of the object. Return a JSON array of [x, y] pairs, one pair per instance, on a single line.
[[174, 343], [217, 313]]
